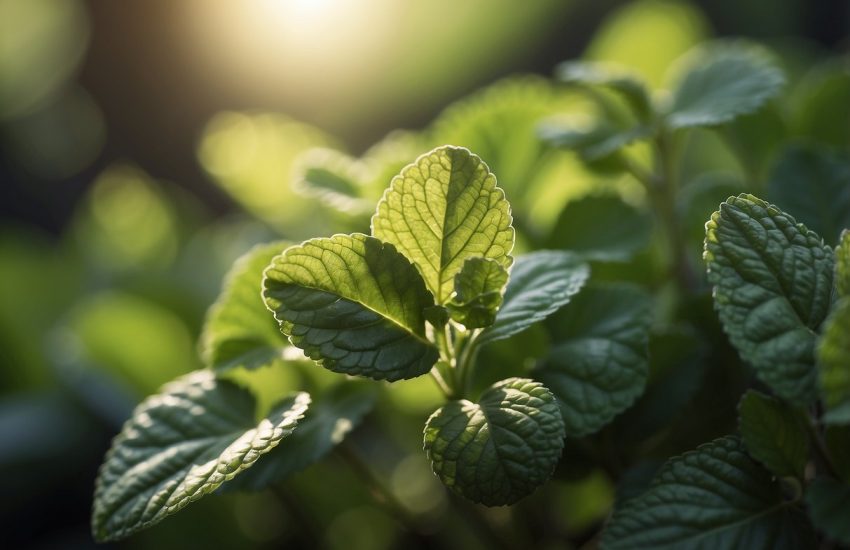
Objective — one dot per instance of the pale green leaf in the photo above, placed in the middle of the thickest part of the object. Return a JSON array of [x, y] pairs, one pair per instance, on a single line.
[[611, 76], [842, 264], [330, 418], [500, 449], [443, 209], [602, 227], [834, 364], [813, 185], [540, 283], [598, 363], [239, 331], [722, 81], [354, 304], [180, 445], [479, 286], [773, 433], [828, 502], [713, 497], [772, 284], [333, 177]]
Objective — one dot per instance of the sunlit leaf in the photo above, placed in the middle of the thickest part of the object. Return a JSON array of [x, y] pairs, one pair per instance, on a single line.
[[479, 286]]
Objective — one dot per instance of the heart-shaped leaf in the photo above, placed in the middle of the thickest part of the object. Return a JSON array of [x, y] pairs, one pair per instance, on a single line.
[[180, 445], [500, 449], [443, 209], [354, 304]]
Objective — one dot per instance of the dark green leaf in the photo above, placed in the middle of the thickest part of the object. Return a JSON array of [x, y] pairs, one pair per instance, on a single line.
[[443, 209], [837, 439], [713, 497], [540, 283], [834, 364], [479, 286], [772, 284], [327, 422], [500, 449], [602, 227], [699, 199], [239, 331], [813, 184], [354, 304], [829, 507], [774, 434], [721, 82], [180, 445], [598, 363]]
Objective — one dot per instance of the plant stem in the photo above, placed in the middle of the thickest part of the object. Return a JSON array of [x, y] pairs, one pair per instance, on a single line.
[[821, 452]]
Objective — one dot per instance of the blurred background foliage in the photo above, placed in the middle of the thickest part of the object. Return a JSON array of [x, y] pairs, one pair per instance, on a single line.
[[144, 146]]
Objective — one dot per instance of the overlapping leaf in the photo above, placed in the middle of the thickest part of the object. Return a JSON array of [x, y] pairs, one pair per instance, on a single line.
[[500, 449], [772, 290], [713, 497], [834, 364], [828, 501], [180, 445], [774, 434], [440, 211], [478, 292], [598, 364], [354, 304], [609, 76]]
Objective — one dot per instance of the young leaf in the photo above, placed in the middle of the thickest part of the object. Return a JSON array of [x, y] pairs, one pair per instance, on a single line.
[[609, 76], [834, 364], [828, 502], [238, 330], [180, 445], [353, 304], [813, 184], [842, 264], [713, 497], [501, 449], [602, 227], [774, 434], [722, 82], [540, 283], [443, 209], [772, 284], [598, 364], [478, 292], [327, 422]]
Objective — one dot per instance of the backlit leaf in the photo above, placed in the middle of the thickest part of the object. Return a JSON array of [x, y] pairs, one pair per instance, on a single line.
[[479, 286]]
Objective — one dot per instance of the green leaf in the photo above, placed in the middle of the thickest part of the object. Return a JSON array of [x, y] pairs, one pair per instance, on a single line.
[[479, 286], [842, 264], [330, 418], [594, 144], [239, 331], [772, 284], [608, 75], [713, 497], [598, 363], [501, 449], [813, 184], [720, 82], [774, 434], [834, 364], [602, 227], [443, 209], [353, 304], [333, 177], [540, 283], [837, 439], [180, 445], [829, 507]]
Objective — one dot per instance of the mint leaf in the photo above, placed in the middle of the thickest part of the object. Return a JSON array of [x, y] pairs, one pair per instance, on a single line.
[[602, 227], [443, 209], [813, 184], [842, 264], [238, 330], [180, 445], [828, 502], [336, 412], [713, 497], [774, 434], [478, 292], [592, 144], [500, 449], [598, 363], [354, 304], [540, 283], [834, 364], [720, 82], [333, 177], [772, 284], [613, 77]]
